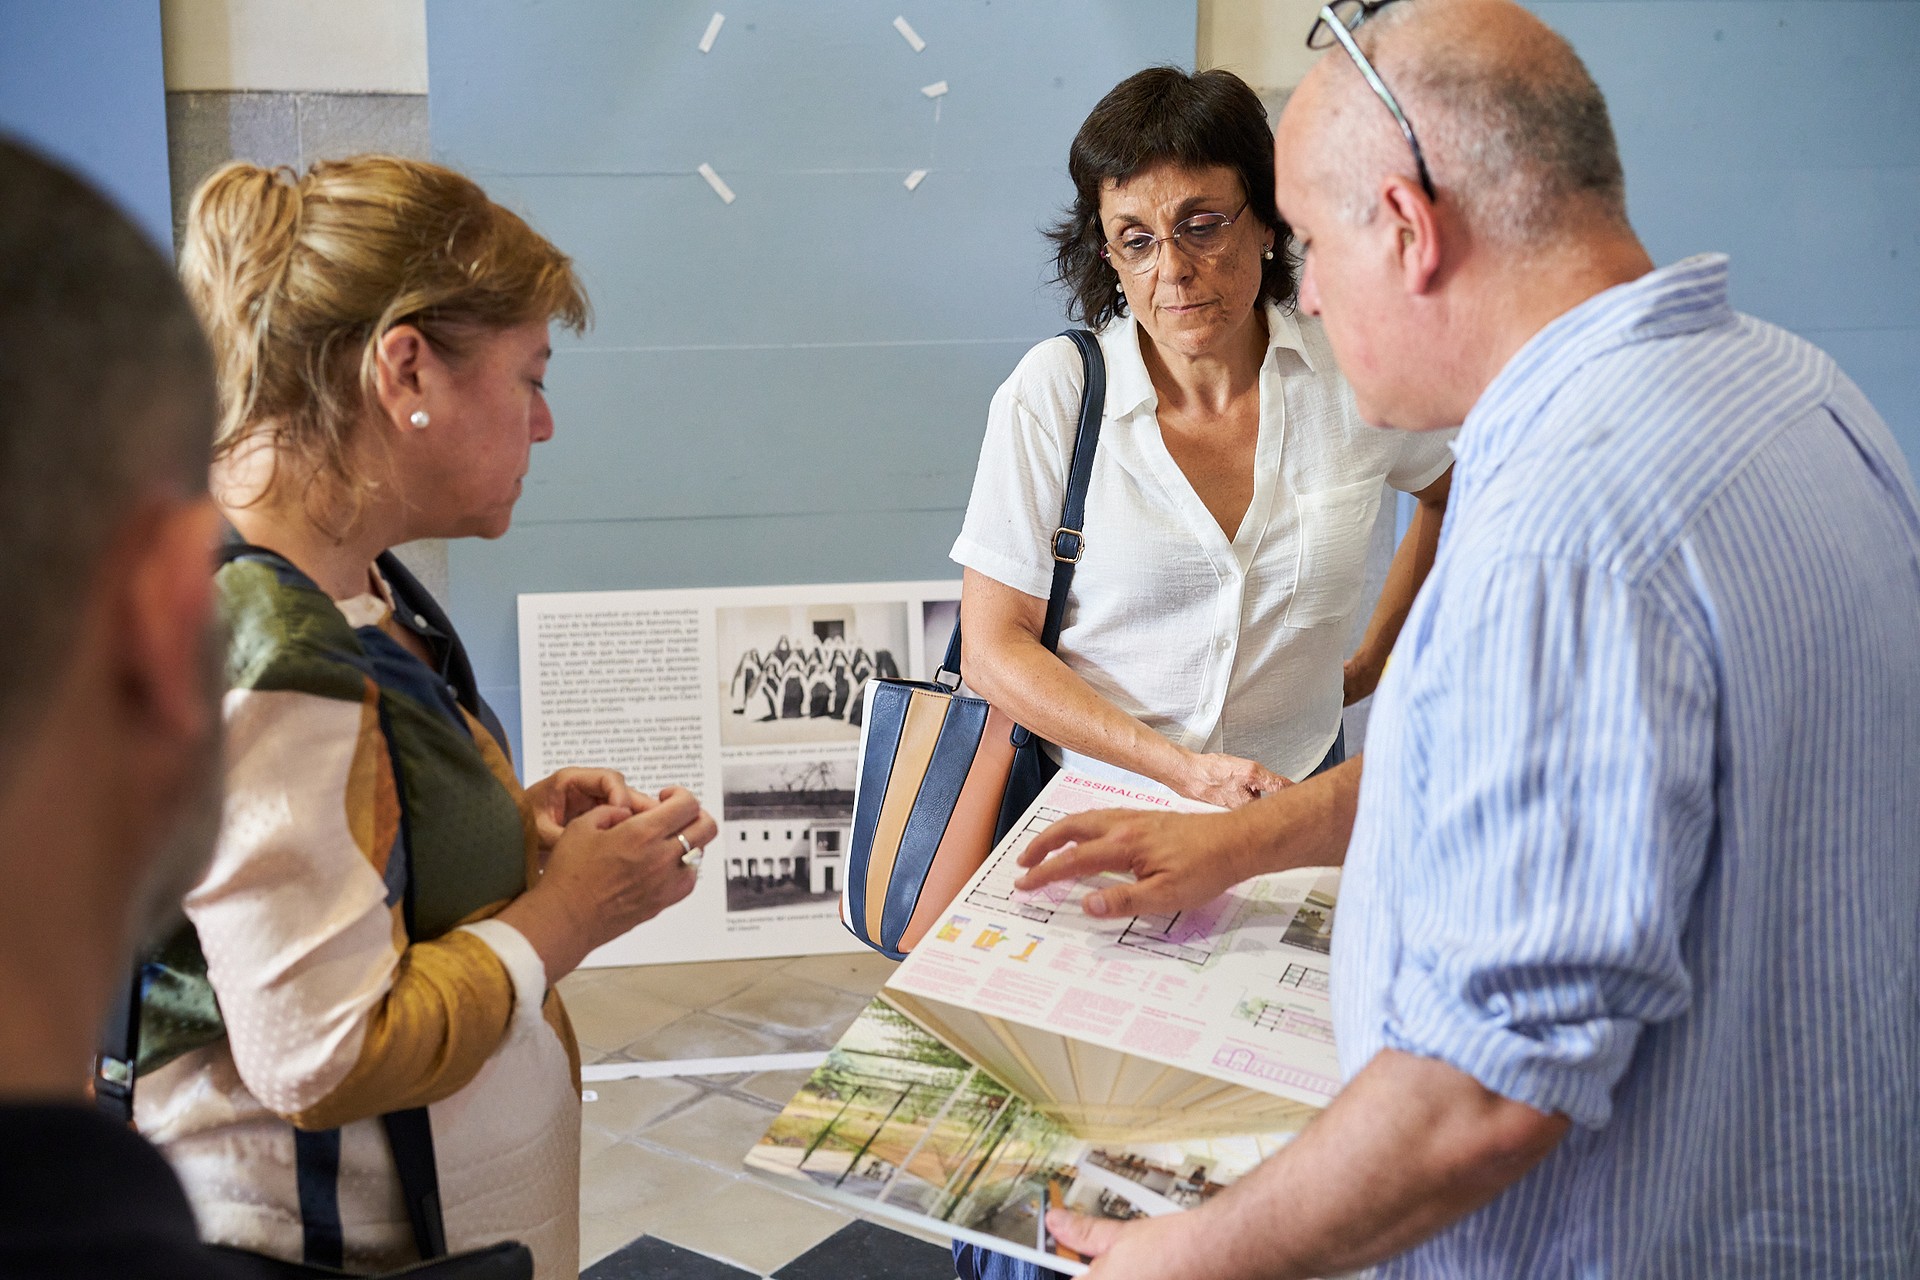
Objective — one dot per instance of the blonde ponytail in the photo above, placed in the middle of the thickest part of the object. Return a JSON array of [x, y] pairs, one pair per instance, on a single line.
[[242, 228]]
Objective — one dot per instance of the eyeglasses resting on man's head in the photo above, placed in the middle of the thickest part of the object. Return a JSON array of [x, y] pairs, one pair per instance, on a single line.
[[1203, 235], [1336, 24]]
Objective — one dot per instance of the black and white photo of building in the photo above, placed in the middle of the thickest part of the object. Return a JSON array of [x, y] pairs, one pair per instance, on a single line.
[[784, 829]]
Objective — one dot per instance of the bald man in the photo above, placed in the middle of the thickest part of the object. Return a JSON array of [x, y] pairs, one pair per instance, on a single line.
[[1627, 962]]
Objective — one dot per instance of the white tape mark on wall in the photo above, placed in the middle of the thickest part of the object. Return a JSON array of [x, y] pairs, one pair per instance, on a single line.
[[908, 34], [720, 188], [915, 178], [935, 90], [713, 33]]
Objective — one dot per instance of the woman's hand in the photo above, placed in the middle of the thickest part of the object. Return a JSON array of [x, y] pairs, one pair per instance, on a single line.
[[567, 794], [1228, 781], [610, 870], [1360, 676]]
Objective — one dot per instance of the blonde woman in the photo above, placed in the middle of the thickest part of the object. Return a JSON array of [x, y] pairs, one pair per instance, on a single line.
[[387, 911]]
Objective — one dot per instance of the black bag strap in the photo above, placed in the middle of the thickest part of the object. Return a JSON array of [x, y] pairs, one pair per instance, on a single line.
[[1069, 541], [409, 1132], [119, 1048]]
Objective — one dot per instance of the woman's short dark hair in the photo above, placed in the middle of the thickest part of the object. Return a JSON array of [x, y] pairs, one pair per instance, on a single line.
[[1160, 115]]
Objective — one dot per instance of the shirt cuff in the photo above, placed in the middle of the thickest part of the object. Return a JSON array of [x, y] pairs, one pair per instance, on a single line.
[[524, 966], [1001, 568]]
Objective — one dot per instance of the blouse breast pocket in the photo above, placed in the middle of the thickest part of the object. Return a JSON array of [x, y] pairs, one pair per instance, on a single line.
[[1335, 527]]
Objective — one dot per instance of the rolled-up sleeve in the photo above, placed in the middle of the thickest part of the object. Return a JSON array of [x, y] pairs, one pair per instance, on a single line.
[[1564, 838], [1419, 458]]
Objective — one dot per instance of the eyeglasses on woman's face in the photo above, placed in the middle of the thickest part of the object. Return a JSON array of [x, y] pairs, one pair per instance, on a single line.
[[1203, 236]]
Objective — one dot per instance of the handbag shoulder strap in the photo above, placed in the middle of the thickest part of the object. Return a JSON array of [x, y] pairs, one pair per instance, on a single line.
[[1068, 541]]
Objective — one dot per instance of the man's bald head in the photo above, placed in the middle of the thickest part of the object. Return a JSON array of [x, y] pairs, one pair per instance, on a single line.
[[1515, 132]]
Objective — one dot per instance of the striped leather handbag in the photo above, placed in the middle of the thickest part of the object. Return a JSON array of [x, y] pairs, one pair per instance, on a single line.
[[943, 775]]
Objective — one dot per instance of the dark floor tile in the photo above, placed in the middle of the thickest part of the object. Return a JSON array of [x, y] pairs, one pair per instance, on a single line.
[[651, 1259], [863, 1251]]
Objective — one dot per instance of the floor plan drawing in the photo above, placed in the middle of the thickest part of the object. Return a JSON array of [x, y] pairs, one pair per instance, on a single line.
[[1233, 990], [994, 891], [1191, 936], [1303, 977]]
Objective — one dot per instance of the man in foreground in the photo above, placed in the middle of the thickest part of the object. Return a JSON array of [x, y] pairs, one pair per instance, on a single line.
[[1626, 960], [109, 704]]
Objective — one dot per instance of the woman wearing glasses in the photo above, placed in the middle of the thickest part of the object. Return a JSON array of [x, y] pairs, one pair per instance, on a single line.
[[1234, 490]]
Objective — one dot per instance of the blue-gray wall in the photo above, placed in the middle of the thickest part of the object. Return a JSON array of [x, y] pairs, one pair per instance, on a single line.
[[1786, 133], [83, 81], [792, 388]]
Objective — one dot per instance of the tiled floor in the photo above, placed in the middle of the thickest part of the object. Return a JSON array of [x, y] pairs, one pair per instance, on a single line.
[[857, 1251], [661, 1158]]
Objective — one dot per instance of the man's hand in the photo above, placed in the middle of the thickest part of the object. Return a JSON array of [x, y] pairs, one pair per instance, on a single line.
[[1408, 1148], [1177, 860], [1182, 860], [1148, 1248], [566, 794]]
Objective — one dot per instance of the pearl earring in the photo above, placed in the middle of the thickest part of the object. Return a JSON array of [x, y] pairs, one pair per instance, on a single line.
[[1267, 253], [420, 418]]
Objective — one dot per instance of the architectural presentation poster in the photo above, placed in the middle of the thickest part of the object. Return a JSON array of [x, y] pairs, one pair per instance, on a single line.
[[752, 698], [1027, 1056]]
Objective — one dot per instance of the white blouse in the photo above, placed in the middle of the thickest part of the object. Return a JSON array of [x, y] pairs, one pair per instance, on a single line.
[[1221, 645]]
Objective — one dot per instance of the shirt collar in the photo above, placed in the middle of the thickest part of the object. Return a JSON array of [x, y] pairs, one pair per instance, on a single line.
[[371, 607], [1688, 297], [1130, 387]]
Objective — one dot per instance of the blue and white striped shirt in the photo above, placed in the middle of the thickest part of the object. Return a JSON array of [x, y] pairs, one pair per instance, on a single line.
[[1639, 833]]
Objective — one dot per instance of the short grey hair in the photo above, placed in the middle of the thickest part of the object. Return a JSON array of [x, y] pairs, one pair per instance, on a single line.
[[1517, 134], [106, 396]]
